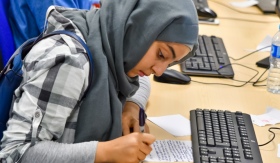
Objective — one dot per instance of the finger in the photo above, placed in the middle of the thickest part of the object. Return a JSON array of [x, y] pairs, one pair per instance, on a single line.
[[125, 130], [146, 149], [148, 138], [136, 127], [141, 155], [147, 129]]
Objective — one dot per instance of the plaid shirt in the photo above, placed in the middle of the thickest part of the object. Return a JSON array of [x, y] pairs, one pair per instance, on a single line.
[[46, 104]]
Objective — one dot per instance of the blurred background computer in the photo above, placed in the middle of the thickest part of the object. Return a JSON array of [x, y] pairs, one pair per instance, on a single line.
[[276, 8]]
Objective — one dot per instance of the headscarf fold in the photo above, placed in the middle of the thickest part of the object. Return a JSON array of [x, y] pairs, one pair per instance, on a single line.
[[118, 35]]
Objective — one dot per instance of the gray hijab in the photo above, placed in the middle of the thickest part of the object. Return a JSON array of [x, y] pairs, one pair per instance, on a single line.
[[118, 35]]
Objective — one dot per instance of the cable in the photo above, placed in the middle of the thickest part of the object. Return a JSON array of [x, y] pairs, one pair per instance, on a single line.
[[247, 20], [236, 59], [272, 137], [254, 83], [245, 82], [257, 81]]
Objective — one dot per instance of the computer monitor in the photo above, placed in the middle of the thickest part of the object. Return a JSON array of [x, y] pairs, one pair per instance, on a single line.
[[267, 6], [277, 8], [265, 62]]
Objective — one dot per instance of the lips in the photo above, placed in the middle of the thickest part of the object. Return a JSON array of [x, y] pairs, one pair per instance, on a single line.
[[141, 73]]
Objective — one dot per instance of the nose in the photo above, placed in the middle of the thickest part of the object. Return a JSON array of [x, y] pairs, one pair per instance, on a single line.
[[159, 69]]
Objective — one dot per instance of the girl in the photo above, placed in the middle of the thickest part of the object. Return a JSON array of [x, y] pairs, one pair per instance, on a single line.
[[128, 39]]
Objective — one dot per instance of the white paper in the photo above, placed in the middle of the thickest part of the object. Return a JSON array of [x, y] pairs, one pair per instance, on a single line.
[[176, 125], [273, 112], [270, 117], [278, 153], [170, 151], [266, 42], [244, 4]]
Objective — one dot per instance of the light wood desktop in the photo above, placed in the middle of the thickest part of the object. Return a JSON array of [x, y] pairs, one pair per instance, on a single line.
[[241, 34]]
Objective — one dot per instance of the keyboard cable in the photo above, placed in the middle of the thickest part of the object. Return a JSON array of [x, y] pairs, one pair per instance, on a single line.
[[254, 83], [236, 59], [271, 128], [245, 82], [259, 81]]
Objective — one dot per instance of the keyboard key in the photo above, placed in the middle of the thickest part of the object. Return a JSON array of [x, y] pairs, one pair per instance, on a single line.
[[222, 144], [210, 142], [204, 158]]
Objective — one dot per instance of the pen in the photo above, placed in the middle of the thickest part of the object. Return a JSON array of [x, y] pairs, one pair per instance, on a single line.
[[142, 120]]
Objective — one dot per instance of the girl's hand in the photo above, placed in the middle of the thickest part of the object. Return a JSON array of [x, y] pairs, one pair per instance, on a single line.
[[130, 119], [131, 148]]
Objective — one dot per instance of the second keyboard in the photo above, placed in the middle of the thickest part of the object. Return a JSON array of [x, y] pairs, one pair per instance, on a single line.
[[223, 136], [211, 59]]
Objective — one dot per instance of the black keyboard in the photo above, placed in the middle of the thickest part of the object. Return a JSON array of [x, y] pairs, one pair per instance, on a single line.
[[211, 59], [220, 136]]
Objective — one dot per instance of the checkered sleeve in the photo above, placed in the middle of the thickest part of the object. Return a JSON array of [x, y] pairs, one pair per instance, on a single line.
[[143, 93], [55, 78]]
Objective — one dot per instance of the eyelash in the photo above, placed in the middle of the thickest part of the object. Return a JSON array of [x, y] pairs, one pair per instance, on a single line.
[[161, 55]]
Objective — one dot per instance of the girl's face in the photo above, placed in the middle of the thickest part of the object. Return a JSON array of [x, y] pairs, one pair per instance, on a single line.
[[158, 57]]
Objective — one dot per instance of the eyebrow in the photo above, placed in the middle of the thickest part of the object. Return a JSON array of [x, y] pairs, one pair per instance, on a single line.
[[172, 50]]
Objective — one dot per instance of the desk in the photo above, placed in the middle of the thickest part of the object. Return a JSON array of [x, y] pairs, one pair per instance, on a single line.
[[239, 37]]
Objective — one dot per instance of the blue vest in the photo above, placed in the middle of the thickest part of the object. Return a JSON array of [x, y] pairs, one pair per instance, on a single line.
[[7, 46], [27, 17]]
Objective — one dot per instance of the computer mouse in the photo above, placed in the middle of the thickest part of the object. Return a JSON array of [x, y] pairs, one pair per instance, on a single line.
[[205, 12], [172, 77]]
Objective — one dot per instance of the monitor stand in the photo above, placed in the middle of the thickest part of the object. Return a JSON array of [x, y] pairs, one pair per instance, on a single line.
[[264, 63]]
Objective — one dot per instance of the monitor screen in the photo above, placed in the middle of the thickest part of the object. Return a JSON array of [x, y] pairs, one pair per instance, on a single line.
[[277, 8]]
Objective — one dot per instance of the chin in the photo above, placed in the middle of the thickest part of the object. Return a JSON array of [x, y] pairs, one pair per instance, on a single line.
[[131, 75]]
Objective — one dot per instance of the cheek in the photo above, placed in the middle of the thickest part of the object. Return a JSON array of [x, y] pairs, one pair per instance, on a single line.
[[143, 62], [149, 59]]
